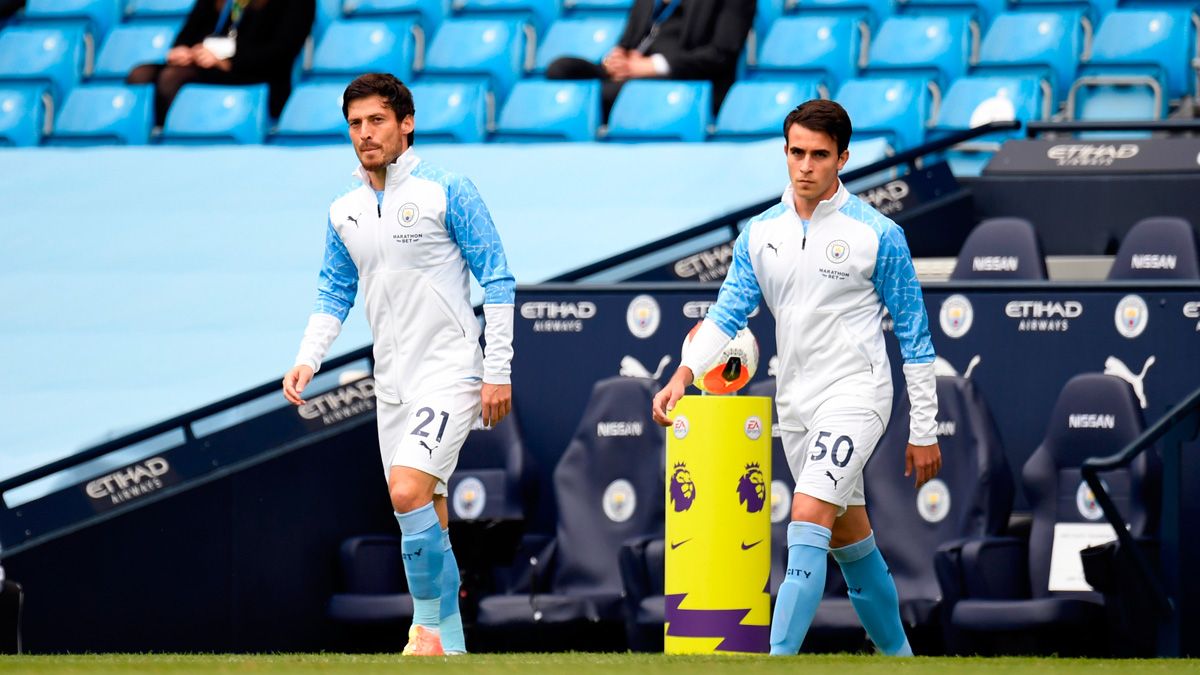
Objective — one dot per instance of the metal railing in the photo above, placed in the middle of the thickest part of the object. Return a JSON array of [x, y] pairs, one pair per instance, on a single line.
[[1174, 126], [1179, 426]]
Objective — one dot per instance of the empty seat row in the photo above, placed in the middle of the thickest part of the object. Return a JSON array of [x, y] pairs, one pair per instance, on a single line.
[[1008, 249]]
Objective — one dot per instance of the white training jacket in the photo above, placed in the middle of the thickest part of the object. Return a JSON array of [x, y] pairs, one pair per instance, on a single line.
[[411, 250], [828, 285]]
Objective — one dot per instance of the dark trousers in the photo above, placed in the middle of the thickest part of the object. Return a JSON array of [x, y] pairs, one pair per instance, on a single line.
[[572, 68], [168, 80]]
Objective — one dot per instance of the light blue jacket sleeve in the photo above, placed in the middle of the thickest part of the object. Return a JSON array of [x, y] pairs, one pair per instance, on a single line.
[[740, 293], [896, 283], [339, 278], [471, 227]]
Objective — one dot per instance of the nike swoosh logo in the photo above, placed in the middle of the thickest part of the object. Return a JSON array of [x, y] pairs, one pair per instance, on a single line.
[[677, 544], [747, 547]]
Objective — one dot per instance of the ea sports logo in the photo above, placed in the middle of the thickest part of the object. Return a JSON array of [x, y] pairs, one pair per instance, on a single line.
[[408, 214], [753, 427], [837, 251], [680, 427], [1131, 316], [956, 316]]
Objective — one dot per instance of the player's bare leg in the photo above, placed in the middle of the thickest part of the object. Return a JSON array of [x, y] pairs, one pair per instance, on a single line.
[[871, 588], [421, 546]]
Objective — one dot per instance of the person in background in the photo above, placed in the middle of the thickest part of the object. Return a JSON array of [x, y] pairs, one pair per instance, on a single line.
[[669, 39], [232, 42]]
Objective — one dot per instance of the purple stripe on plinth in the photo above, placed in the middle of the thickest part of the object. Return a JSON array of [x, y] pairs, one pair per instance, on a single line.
[[714, 623]]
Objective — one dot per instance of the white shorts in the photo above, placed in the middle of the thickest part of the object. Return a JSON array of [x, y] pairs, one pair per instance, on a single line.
[[827, 460], [427, 432]]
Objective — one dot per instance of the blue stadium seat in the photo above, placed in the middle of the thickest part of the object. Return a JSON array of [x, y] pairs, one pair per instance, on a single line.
[[1045, 44], [452, 112], [1157, 248], [659, 110], [829, 47], [588, 37], [540, 13], [595, 7], [558, 110], [871, 12], [894, 109], [1139, 61], [978, 99], [26, 114], [1093, 9], [206, 113], [312, 115], [972, 496], [1003, 586], [105, 114], [157, 10], [931, 47], [353, 47], [131, 45], [624, 474], [1001, 249], [99, 15], [756, 109], [428, 13], [44, 54], [497, 51], [980, 11]]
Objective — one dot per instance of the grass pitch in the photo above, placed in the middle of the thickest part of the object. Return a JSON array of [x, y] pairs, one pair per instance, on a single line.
[[577, 664]]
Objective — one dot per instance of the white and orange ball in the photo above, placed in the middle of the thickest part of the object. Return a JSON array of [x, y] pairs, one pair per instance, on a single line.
[[732, 368]]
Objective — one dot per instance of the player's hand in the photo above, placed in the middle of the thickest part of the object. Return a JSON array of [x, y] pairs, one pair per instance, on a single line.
[[926, 460], [294, 383], [668, 396], [497, 403]]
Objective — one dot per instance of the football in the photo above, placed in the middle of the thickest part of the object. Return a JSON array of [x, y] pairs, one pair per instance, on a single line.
[[733, 367]]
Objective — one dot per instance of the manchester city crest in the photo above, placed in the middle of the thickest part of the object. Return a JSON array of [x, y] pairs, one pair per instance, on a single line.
[[408, 214], [837, 251]]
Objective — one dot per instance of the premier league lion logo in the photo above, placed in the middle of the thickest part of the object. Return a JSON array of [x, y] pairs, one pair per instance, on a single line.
[[683, 490], [752, 488]]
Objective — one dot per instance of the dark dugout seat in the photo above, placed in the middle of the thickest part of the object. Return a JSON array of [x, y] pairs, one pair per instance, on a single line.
[[971, 497], [1157, 248], [490, 493], [1001, 249], [609, 490], [999, 592]]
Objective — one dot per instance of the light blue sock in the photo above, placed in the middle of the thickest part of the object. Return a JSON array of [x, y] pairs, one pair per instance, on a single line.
[[421, 548], [873, 594], [451, 624], [800, 593]]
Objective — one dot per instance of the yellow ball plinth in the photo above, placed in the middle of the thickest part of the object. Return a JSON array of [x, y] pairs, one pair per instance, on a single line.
[[718, 526]]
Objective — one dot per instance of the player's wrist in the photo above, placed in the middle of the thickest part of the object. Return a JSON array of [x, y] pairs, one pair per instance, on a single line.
[[684, 375]]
